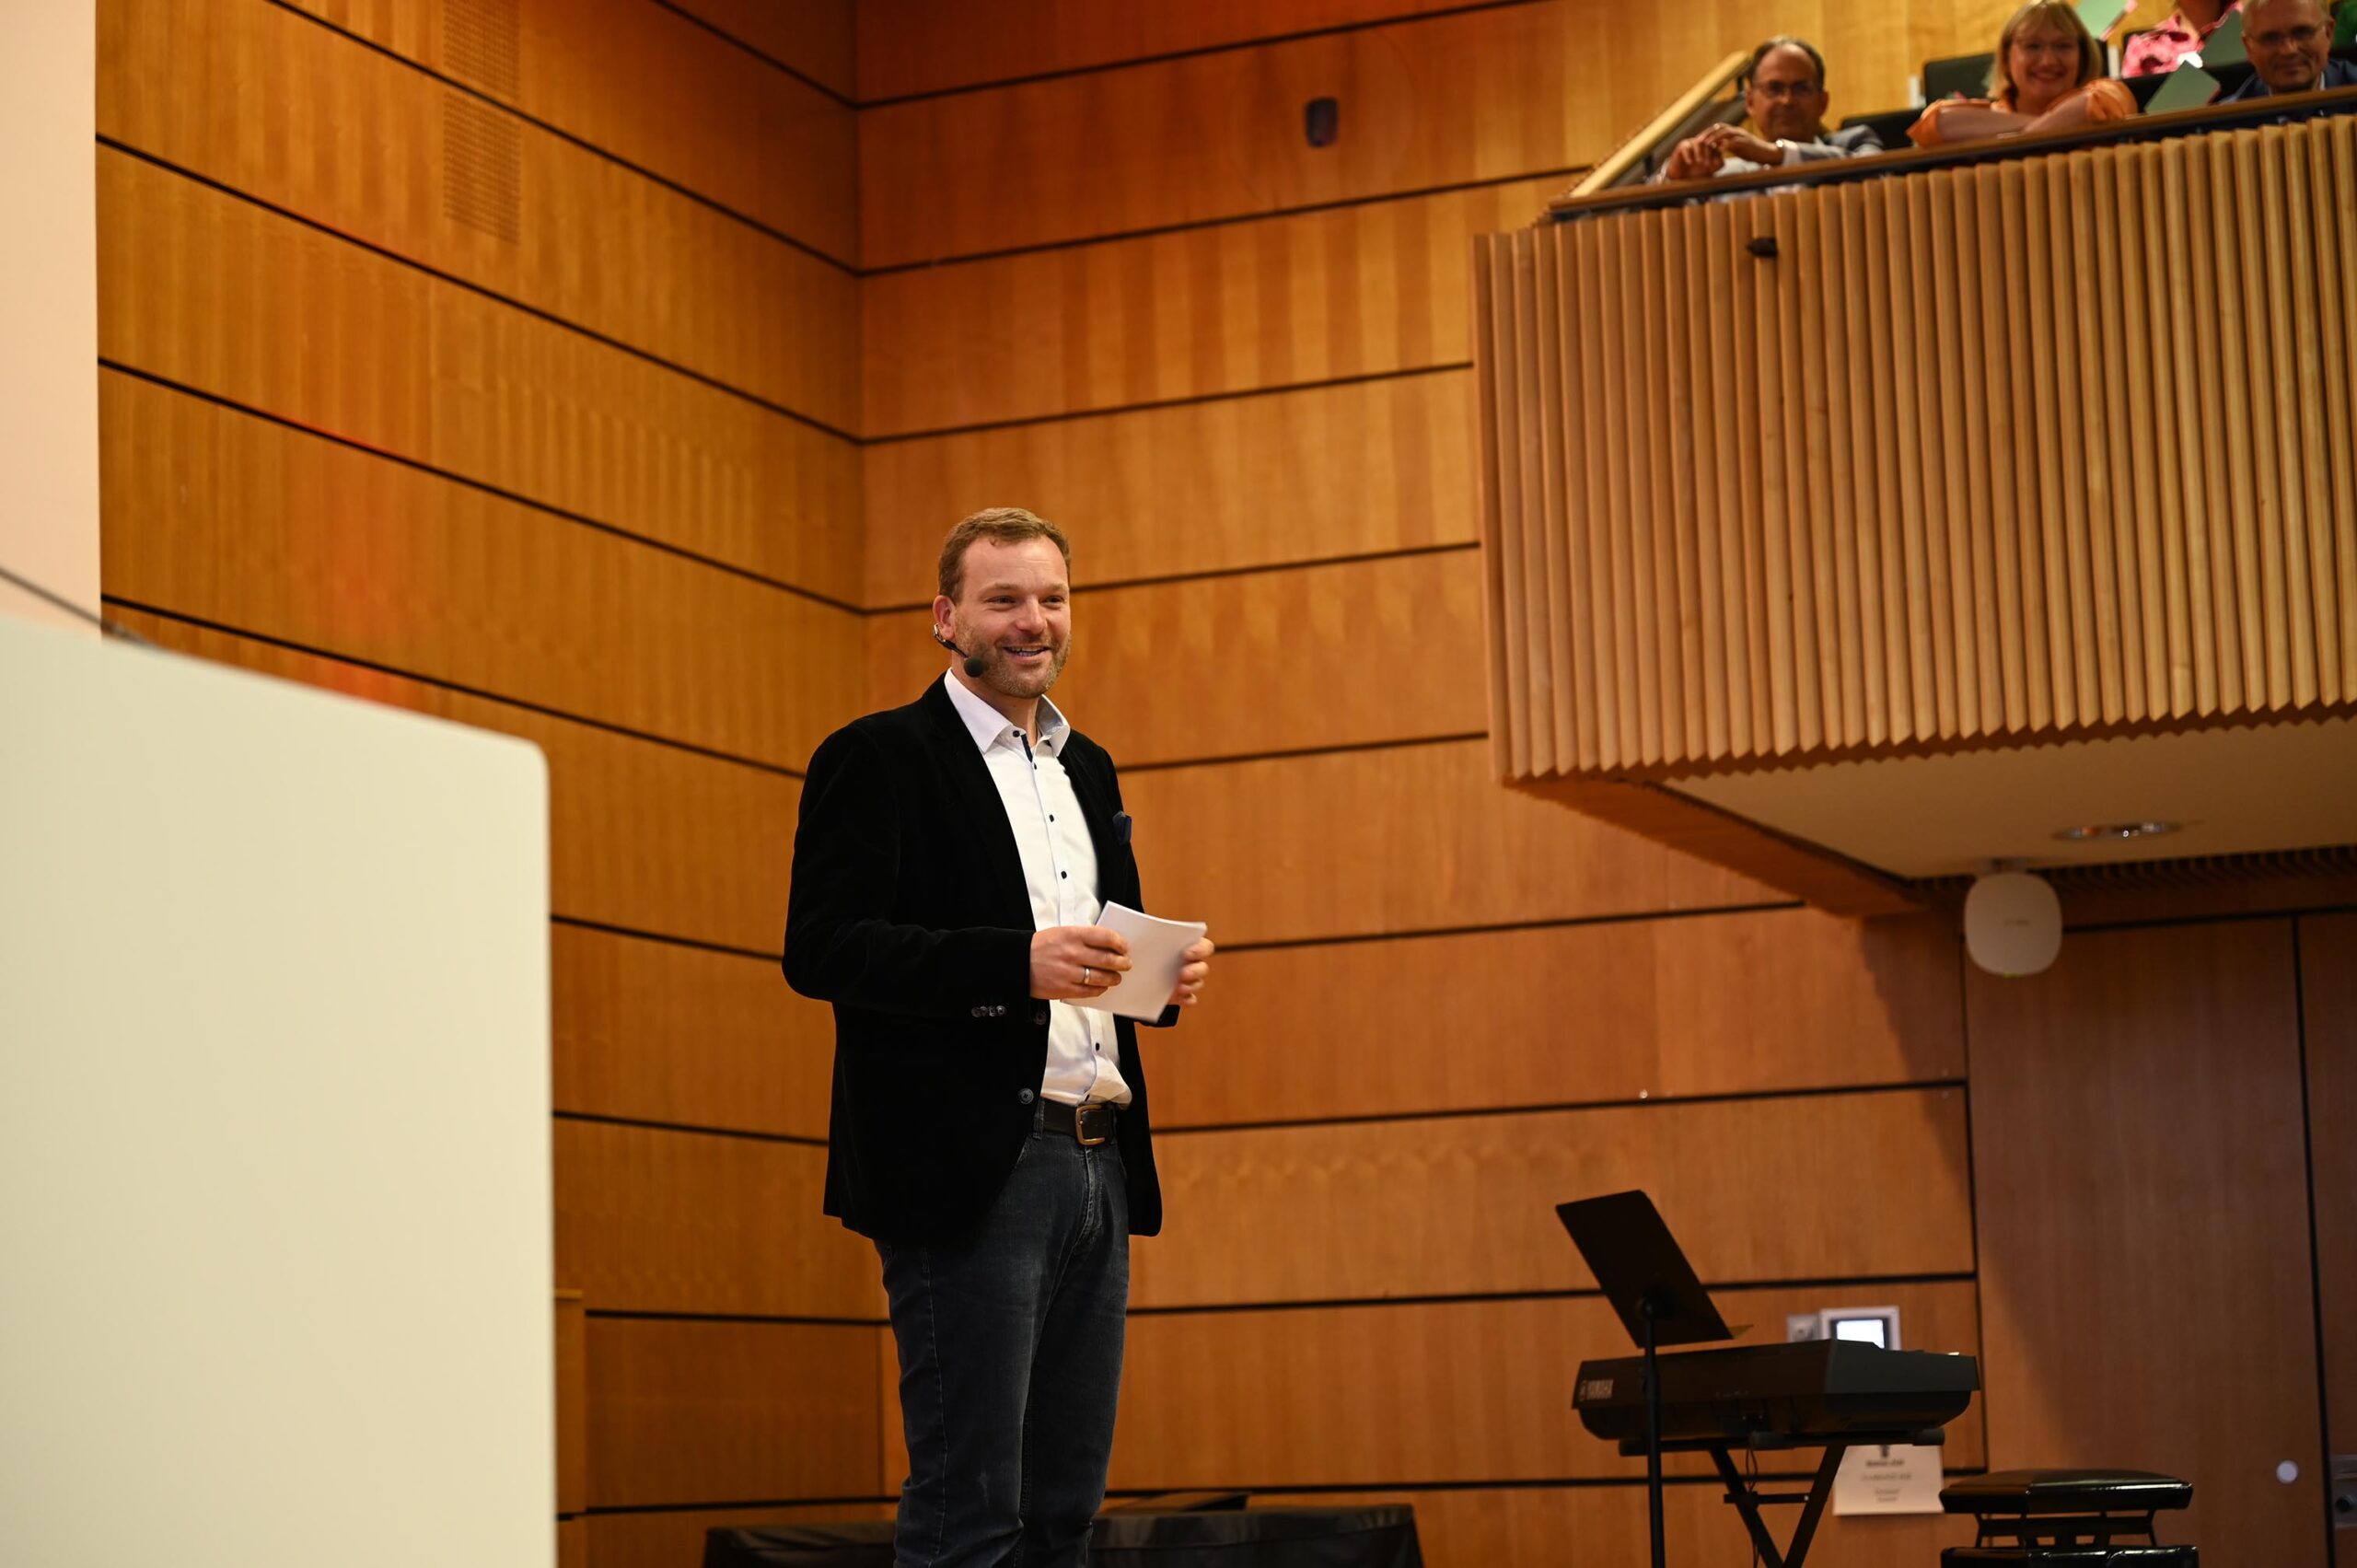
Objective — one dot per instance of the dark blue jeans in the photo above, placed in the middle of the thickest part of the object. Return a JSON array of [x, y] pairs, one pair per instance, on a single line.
[[1010, 1341]]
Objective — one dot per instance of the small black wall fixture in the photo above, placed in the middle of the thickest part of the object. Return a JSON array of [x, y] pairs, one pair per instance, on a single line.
[[1322, 118]]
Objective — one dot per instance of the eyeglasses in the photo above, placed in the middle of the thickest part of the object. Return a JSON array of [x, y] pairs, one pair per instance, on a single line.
[[1775, 92], [2296, 37]]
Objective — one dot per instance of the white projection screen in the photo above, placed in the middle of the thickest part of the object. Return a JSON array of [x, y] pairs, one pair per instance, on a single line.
[[274, 1193]]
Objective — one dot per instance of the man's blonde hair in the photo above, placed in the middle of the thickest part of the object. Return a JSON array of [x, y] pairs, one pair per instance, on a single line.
[[1007, 525]]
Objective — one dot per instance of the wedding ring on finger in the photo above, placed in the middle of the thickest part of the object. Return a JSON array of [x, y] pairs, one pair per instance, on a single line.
[[1085, 973]]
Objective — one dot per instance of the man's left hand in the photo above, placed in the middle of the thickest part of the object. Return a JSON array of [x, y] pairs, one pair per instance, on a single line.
[[1733, 141], [1196, 967]]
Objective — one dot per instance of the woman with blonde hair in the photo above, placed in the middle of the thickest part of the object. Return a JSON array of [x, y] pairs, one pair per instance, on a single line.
[[2049, 76]]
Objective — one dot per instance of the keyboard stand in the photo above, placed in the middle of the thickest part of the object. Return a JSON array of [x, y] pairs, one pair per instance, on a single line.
[[1748, 1498]]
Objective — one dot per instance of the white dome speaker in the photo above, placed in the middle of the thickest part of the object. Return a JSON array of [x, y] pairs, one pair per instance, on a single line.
[[2013, 924]]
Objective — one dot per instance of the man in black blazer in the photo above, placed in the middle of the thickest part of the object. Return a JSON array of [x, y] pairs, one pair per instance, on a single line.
[[989, 1137]]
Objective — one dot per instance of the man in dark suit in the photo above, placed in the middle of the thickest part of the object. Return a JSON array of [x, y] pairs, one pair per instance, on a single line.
[[1784, 96], [989, 1137], [2290, 44]]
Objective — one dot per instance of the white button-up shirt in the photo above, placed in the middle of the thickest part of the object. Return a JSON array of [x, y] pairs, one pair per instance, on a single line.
[[1058, 871]]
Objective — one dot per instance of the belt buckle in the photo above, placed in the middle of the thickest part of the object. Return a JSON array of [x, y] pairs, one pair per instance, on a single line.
[[1082, 1117]]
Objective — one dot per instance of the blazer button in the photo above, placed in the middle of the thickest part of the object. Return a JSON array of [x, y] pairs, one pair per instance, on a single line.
[[1023, 1097], [1038, 1014], [981, 1011]]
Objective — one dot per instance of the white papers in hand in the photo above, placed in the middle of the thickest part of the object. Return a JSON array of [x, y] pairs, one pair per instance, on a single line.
[[1155, 946]]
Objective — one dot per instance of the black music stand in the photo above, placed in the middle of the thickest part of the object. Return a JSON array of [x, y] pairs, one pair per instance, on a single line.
[[1661, 1302]]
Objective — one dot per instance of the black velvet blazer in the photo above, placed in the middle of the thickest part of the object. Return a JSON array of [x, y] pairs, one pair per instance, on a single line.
[[909, 913]]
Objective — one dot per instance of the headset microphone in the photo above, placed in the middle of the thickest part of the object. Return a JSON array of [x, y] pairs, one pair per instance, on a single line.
[[974, 665]]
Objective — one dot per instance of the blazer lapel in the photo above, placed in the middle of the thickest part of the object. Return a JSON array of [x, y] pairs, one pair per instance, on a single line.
[[970, 782]]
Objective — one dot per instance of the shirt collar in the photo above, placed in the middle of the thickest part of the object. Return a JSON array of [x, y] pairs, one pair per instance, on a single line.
[[989, 726]]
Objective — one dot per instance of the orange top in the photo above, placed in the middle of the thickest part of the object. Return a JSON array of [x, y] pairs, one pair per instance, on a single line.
[[2107, 99]]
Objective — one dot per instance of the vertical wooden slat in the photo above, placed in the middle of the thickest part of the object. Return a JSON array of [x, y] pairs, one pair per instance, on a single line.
[[1974, 533], [1917, 390], [2209, 531], [1862, 330], [1792, 276], [1501, 540], [1603, 633], [1890, 576], [2173, 472], [2040, 648], [2291, 666], [1640, 383], [1576, 325], [2133, 462], [2333, 159], [1713, 479], [2044, 451], [2062, 268], [1947, 570], [2118, 569], [2236, 200], [1530, 447], [1830, 370], [1613, 291], [1774, 533], [1751, 450], [1992, 377], [1555, 388], [2308, 208], [1687, 598], [2082, 397], [1810, 221]]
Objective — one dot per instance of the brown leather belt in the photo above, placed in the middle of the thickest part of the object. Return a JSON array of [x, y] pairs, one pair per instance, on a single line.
[[1091, 1124]]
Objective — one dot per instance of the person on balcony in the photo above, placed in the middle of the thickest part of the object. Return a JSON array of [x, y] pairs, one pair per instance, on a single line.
[[1784, 97], [2185, 32], [2048, 78], [2291, 50]]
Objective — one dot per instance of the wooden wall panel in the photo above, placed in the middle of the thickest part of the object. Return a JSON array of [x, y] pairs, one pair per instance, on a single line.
[[2328, 998], [1819, 1187], [653, 1031], [818, 39], [1493, 93], [1604, 1526], [731, 1412], [1360, 290], [655, 88], [1359, 469], [677, 1540], [925, 46], [242, 522], [2142, 1195], [1449, 1391], [1735, 1004], [225, 87], [657, 1220], [1347, 655], [572, 1403], [1412, 838], [641, 836], [301, 324]]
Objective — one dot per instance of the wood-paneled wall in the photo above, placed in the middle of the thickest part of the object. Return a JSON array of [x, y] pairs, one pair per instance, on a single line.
[[499, 362], [1443, 1007], [524, 384], [1110, 281]]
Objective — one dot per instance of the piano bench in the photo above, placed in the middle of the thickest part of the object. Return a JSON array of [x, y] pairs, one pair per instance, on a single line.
[[2056, 1518]]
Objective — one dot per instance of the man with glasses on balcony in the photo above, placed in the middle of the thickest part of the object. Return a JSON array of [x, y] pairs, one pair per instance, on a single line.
[[1783, 94], [2291, 50]]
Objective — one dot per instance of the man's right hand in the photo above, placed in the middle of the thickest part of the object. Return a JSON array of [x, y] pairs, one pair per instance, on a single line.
[[1070, 962], [1697, 157]]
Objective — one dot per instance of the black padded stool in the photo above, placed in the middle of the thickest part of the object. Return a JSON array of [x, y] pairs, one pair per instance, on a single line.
[[2064, 1518]]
